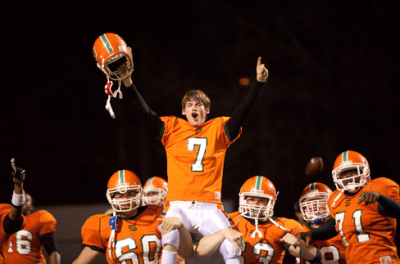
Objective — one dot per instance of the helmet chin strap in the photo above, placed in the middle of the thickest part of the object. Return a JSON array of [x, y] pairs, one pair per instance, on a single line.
[[278, 225], [111, 242], [319, 221], [109, 92], [253, 235]]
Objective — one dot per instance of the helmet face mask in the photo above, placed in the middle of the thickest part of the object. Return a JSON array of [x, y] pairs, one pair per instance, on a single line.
[[351, 171], [153, 196], [155, 191], [259, 188], [254, 211], [313, 202], [112, 65], [124, 191], [314, 209]]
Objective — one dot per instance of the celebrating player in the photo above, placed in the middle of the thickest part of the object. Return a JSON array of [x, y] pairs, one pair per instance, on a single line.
[[11, 219], [155, 191], [26, 245], [195, 147], [266, 237], [314, 209], [363, 212]]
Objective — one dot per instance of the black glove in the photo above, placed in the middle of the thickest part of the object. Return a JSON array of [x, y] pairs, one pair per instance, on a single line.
[[18, 174]]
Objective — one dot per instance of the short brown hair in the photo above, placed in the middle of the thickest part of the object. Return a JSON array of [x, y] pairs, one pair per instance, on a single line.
[[198, 96]]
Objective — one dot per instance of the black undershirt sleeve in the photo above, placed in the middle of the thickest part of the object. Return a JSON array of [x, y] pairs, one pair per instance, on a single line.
[[326, 231], [49, 242], [388, 206], [148, 115], [239, 115], [288, 259], [10, 226]]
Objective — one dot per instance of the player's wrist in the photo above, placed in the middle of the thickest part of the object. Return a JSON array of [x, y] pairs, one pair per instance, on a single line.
[[127, 82], [18, 200]]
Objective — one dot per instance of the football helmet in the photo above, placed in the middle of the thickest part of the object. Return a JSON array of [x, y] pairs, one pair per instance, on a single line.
[[351, 160], [155, 185], [121, 182], [257, 186], [110, 51], [313, 202]]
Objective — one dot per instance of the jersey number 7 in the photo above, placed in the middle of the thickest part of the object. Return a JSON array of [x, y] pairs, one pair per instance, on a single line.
[[198, 165]]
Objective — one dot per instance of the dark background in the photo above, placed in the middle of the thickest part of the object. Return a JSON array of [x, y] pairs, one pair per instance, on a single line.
[[333, 86]]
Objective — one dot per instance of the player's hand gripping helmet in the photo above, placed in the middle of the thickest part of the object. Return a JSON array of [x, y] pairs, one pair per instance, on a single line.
[[110, 52], [351, 160], [155, 191], [257, 186], [313, 202], [125, 184]]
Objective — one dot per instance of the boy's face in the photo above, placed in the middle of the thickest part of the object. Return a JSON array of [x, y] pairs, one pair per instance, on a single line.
[[195, 113]]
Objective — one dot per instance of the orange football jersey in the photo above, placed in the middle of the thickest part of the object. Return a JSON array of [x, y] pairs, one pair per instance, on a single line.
[[332, 250], [4, 238], [195, 158], [367, 235], [137, 240], [267, 249], [25, 246]]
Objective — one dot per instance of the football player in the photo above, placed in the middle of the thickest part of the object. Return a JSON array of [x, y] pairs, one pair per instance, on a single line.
[[314, 209], [132, 234], [155, 191], [11, 219], [26, 245], [266, 238], [363, 212], [195, 147]]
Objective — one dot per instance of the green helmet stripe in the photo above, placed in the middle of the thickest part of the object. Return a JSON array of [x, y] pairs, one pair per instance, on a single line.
[[312, 186], [258, 183], [106, 43], [345, 156], [150, 181], [121, 176]]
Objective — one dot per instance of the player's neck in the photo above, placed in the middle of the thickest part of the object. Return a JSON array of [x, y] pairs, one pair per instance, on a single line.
[[129, 214]]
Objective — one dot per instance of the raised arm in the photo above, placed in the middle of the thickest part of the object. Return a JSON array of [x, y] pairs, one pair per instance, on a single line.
[[13, 221], [148, 115], [240, 113]]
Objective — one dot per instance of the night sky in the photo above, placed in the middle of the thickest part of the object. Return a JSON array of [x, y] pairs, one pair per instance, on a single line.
[[333, 86]]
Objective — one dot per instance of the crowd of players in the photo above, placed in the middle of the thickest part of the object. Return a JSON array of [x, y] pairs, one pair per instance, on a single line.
[[355, 223]]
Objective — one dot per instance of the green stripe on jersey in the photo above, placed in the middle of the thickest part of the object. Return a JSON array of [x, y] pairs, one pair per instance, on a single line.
[[345, 156], [258, 183], [106, 43], [121, 176]]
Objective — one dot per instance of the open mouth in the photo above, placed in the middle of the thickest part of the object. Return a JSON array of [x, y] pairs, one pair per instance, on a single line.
[[195, 115]]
